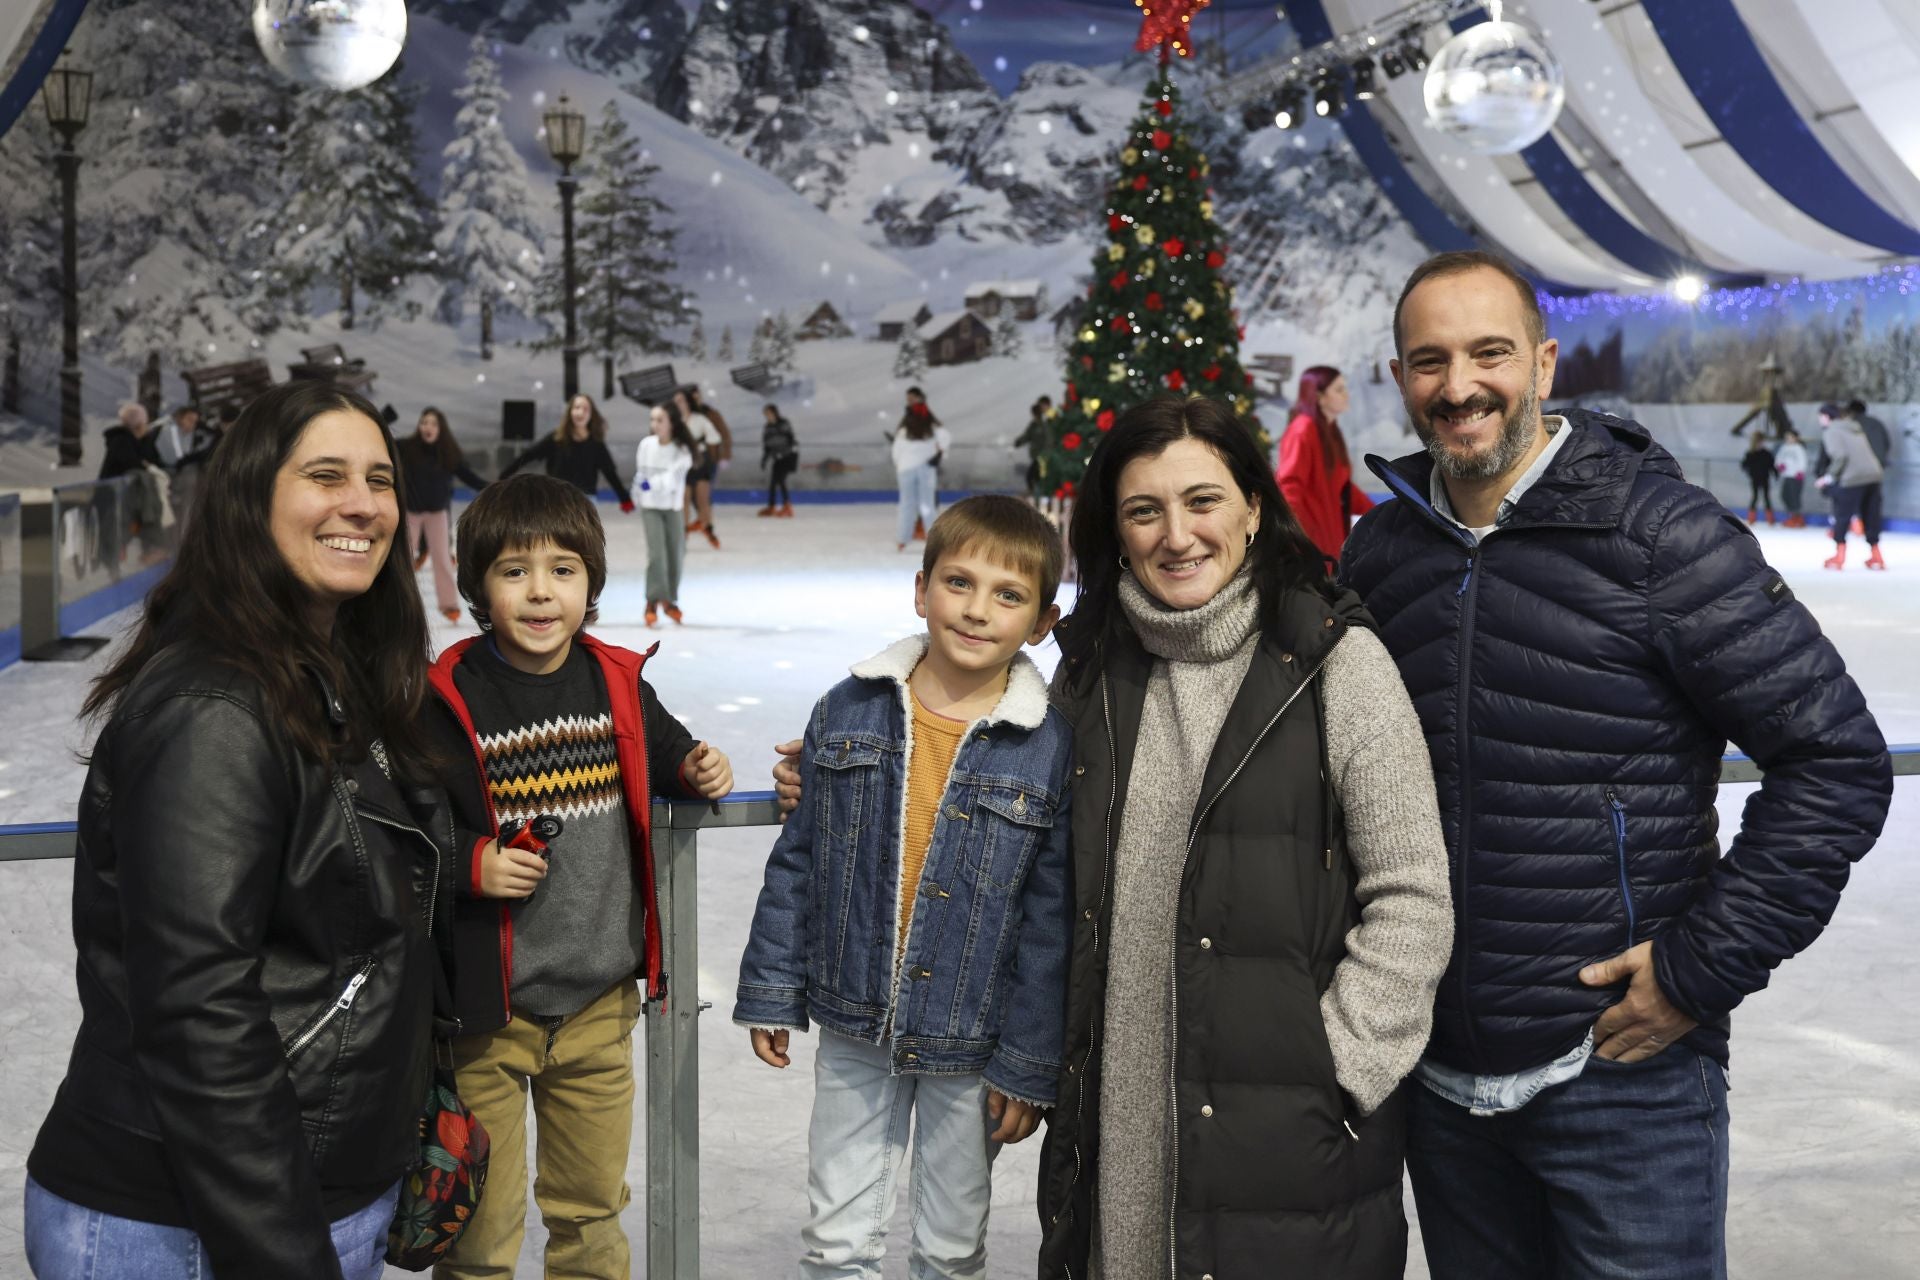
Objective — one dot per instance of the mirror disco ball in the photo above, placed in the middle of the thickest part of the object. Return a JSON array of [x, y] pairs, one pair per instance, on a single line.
[[335, 44], [1494, 88]]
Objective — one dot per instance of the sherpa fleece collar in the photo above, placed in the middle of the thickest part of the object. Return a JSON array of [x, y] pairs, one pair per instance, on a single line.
[[1023, 705]]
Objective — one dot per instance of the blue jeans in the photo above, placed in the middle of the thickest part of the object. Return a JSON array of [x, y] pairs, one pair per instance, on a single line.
[[68, 1242], [919, 487], [855, 1147], [1620, 1173]]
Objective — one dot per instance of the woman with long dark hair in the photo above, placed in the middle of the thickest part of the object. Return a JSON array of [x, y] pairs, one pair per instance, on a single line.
[[661, 467], [1260, 877], [253, 889], [577, 452], [1315, 472], [919, 444], [430, 461]]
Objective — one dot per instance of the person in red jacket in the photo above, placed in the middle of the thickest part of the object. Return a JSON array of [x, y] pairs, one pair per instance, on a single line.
[[1315, 474]]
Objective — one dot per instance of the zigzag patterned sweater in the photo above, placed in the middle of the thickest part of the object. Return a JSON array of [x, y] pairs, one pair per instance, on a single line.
[[548, 746]]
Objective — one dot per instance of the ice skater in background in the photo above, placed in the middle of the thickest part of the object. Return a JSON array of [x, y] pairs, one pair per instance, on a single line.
[[711, 446], [665, 460], [1790, 461], [916, 905], [577, 452], [919, 444], [1315, 472], [1852, 483], [430, 461], [780, 449], [535, 718], [1758, 464]]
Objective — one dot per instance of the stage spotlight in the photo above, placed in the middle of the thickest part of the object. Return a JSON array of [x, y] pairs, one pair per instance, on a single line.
[[1328, 101], [1391, 63], [1364, 84], [1256, 116], [1291, 111], [1416, 56], [1689, 288]]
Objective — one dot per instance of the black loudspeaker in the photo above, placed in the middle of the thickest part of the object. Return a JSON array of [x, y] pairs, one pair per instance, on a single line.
[[516, 419]]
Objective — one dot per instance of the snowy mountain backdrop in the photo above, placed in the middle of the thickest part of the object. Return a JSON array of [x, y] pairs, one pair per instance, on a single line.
[[841, 151]]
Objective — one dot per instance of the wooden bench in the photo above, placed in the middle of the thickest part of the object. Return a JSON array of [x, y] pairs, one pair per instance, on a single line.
[[215, 386], [756, 377], [649, 386], [330, 364]]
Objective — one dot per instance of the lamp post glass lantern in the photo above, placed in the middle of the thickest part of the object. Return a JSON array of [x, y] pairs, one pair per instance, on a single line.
[[67, 95], [566, 138]]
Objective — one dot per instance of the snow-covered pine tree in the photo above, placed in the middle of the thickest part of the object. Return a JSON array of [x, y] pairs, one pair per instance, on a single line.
[[490, 240], [1007, 338], [357, 219], [910, 357], [628, 303], [180, 156], [725, 354], [780, 344], [29, 251], [761, 343]]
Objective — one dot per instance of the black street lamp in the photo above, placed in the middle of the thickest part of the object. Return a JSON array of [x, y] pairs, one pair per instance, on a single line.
[[67, 94], [566, 132]]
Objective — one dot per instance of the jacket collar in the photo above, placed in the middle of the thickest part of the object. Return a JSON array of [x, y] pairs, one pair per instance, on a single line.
[[1023, 705], [1587, 485]]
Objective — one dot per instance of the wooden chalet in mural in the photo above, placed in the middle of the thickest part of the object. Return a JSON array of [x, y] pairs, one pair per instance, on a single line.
[[956, 337], [989, 298], [896, 318], [823, 322]]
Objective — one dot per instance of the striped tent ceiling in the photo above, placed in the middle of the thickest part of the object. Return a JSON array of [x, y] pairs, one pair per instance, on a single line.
[[1732, 139]]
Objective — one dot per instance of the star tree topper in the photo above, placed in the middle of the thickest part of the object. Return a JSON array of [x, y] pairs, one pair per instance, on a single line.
[[1165, 25]]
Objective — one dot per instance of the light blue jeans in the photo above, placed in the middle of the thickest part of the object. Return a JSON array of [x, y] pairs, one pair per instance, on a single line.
[[855, 1147], [68, 1242], [919, 487]]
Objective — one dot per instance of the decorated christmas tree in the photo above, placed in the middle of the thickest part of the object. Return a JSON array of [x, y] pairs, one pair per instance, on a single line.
[[1159, 316]]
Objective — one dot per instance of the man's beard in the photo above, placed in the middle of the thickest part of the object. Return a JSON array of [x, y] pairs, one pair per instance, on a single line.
[[1516, 434]]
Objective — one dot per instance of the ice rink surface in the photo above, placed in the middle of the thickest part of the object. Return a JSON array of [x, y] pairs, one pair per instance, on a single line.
[[1826, 1066]]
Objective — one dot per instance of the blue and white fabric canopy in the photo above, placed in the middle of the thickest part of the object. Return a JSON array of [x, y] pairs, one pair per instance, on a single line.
[[32, 34], [1733, 139]]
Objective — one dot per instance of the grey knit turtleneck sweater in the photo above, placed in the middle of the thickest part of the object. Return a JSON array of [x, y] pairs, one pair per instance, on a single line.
[[1378, 1010]]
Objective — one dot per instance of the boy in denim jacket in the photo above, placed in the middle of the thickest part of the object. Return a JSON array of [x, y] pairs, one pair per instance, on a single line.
[[916, 905]]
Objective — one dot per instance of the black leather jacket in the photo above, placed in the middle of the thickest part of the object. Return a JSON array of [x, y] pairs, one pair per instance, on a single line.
[[254, 966]]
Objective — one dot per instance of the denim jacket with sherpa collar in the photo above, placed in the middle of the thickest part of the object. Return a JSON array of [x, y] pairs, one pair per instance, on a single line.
[[981, 984]]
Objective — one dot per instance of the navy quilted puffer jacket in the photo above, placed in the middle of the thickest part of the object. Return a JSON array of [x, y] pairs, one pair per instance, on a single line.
[[1579, 674]]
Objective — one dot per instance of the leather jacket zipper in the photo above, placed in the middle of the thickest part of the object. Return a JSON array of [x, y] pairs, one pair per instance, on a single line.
[[1173, 974], [304, 1037], [1106, 870]]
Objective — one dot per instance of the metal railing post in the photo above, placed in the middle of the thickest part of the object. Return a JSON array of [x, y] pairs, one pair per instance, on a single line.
[[673, 1053]]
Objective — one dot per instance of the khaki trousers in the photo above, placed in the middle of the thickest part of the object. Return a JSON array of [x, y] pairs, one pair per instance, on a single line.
[[580, 1074]]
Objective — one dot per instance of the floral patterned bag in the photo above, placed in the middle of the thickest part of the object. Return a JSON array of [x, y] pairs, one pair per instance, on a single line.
[[439, 1195]]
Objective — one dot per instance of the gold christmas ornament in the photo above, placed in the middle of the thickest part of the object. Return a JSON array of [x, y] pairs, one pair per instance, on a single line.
[[1242, 405], [1194, 309], [1115, 252], [1117, 371], [1129, 156], [1166, 193], [1087, 335], [1092, 403], [1144, 234], [1206, 209]]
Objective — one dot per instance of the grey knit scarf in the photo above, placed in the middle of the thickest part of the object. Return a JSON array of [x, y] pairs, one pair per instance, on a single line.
[[1201, 657]]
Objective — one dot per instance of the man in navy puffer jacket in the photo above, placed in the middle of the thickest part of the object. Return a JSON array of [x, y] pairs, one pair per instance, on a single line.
[[1583, 632]]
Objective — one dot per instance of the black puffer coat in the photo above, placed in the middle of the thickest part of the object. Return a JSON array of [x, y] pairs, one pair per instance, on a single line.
[[1275, 1177], [255, 973], [1579, 674]]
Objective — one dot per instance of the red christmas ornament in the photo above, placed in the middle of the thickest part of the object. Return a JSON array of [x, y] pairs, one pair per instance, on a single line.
[[1116, 223], [1073, 394], [1154, 302], [1176, 379], [1139, 182], [1120, 325], [1174, 246], [1211, 373], [1216, 259], [1164, 107], [1120, 281], [1193, 173], [1242, 331], [1070, 441], [1087, 361], [1105, 420], [1162, 139]]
